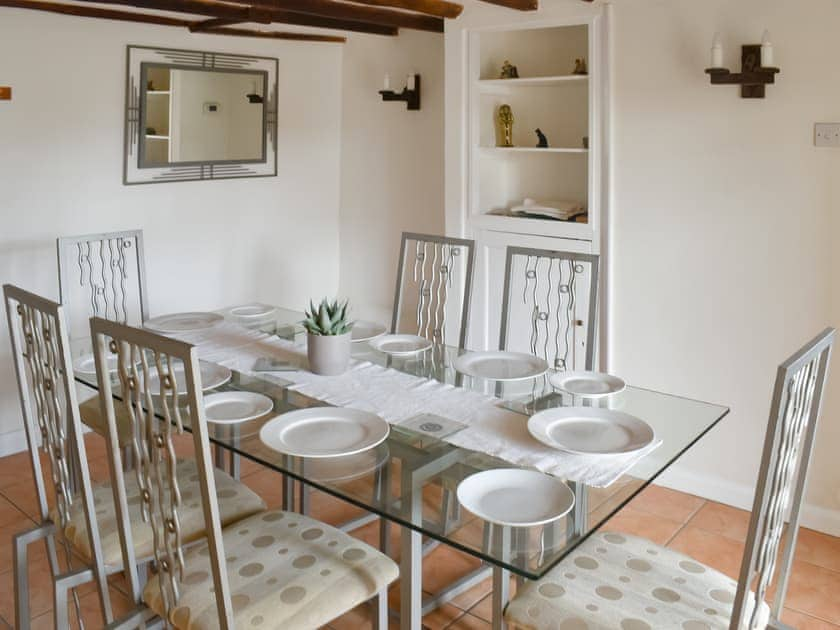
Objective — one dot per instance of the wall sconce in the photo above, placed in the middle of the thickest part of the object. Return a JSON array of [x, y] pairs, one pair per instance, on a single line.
[[410, 93], [757, 68]]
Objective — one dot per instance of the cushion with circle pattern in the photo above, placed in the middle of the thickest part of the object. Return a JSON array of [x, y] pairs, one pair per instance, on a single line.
[[285, 570], [621, 582], [236, 501]]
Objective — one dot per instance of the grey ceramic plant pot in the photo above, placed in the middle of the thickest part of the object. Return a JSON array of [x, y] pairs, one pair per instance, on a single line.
[[328, 354]]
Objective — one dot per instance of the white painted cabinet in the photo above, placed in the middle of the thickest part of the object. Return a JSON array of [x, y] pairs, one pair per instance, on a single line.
[[491, 181]]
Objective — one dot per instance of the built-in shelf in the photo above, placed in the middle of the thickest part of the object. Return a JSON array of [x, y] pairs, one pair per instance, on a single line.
[[156, 137], [498, 150], [533, 81], [150, 92], [529, 225]]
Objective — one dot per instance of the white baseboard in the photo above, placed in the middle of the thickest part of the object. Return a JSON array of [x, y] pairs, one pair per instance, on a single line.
[[12, 442], [815, 517]]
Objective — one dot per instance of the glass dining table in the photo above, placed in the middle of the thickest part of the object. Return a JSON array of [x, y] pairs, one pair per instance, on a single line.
[[412, 478]]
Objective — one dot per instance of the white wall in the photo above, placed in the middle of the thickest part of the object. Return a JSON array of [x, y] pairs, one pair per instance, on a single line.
[[208, 244], [723, 217], [391, 162]]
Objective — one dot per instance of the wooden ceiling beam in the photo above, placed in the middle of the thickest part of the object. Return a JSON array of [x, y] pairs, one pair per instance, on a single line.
[[347, 11], [285, 10], [519, 5], [303, 37], [159, 20], [439, 8], [206, 25], [241, 14]]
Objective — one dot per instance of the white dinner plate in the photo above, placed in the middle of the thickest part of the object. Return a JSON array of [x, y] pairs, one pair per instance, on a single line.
[[86, 364], [183, 322], [400, 344], [252, 311], [587, 384], [498, 365], [324, 432], [235, 406], [590, 430], [347, 467], [212, 376], [515, 497], [365, 331]]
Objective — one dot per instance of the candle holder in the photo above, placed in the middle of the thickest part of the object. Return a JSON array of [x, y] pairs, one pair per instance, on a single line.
[[752, 78], [411, 97]]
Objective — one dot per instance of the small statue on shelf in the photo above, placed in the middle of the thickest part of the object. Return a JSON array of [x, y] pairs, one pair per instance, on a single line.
[[505, 118], [509, 71], [542, 141], [580, 66]]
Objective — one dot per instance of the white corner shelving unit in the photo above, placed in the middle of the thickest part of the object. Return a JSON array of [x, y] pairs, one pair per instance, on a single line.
[[567, 108]]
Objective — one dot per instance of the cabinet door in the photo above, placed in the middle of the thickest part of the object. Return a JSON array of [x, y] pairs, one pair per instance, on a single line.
[[489, 284]]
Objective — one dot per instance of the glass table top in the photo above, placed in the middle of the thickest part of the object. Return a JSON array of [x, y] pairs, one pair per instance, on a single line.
[[412, 478]]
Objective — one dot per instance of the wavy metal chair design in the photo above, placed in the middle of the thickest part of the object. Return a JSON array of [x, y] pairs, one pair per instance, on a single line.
[[544, 288], [623, 581], [41, 351], [440, 269], [274, 569]]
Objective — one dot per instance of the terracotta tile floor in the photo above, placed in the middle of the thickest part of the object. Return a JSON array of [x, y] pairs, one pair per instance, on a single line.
[[710, 532]]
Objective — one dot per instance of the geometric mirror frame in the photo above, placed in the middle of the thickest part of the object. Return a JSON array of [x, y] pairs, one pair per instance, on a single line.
[[151, 155]]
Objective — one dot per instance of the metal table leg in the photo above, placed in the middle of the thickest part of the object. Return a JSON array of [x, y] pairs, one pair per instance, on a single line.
[[501, 577], [411, 580]]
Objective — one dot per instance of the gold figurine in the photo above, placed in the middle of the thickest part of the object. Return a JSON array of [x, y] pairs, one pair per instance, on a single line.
[[509, 71], [505, 119]]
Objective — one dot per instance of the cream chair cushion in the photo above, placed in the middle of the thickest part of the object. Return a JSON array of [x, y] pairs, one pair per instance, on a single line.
[[621, 582], [285, 571], [91, 415], [236, 501]]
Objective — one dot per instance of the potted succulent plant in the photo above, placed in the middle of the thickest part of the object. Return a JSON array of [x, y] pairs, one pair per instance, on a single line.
[[328, 337]]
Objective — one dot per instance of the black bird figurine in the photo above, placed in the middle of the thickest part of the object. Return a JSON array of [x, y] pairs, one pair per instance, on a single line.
[[543, 141]]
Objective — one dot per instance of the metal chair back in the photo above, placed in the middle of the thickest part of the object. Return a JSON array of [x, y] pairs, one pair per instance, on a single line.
[[544, 293], [148, 373], [44, 370], [103, 275], [434, 287], [788, 444]]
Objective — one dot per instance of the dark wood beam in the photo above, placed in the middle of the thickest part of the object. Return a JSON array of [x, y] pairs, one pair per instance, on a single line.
[[259, 16], [239, 13], [286, 10], [439, 8], [303, 37], [159, 20], [347, 11], [206, 25], [519, 5]]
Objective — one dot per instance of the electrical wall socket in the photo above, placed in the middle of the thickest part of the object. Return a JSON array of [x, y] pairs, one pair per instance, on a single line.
[[827, 135]]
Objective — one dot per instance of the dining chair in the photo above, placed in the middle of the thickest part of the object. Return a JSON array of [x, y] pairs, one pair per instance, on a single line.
[[81, 517], [40, 348], [434, 287], [274, 569], [102, 275], [619, 581], [545, 292]]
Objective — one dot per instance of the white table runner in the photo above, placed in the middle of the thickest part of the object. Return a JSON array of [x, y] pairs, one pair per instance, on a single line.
[[398, 397]]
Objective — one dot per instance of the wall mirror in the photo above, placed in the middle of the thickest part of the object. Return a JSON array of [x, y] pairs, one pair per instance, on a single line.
[[194, 115]]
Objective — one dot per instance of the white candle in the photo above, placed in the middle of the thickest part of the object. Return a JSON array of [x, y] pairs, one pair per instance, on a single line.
[[766, 51], [409, 83], [717, 52], [386, 84]]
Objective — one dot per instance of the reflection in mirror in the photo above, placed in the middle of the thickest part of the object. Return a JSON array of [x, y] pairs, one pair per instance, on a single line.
[[201, 115]]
